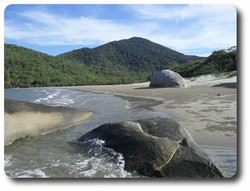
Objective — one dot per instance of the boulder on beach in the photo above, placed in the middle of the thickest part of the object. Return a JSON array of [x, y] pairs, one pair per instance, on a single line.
[[167, 78], [156, 147]]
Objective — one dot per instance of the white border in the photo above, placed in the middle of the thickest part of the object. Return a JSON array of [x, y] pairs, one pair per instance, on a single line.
[[241, 182]]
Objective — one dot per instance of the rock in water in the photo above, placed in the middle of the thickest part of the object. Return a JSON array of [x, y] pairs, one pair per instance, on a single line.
[[24, 119], [157, 147], [167, 78]]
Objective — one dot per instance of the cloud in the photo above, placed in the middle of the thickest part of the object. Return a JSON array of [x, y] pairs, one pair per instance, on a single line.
[[181, 27], [182, 12], [194, 26], [48, 29]]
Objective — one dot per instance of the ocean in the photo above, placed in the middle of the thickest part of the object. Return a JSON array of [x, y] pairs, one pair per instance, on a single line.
[[54, 155]]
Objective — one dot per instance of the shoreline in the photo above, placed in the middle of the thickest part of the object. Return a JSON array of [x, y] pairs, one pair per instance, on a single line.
[[207, 108]]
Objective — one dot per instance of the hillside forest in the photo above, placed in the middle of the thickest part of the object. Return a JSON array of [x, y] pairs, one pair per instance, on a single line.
[[119, 62]]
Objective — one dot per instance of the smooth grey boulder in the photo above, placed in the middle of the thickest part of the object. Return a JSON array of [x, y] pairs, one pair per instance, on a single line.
[[156, 147], [167, 78]]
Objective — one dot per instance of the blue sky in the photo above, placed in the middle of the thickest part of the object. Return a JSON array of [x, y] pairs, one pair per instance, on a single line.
[[54, 29]]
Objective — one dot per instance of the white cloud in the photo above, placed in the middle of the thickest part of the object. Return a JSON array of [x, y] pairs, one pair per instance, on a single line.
[[183, 28], [48, 29], [201, 26], [171, 12]]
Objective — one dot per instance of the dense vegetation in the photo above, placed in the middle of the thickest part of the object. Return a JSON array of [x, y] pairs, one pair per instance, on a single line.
[[124, 61], [26, 68], [132, 55], [119, 62], [219, 61]]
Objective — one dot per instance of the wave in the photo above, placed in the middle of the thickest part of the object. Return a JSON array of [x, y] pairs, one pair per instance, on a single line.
[[100, 161], [92, 160], [33, 173], [48, 97]]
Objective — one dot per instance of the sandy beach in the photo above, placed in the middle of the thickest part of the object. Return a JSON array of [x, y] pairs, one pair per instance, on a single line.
[[207, 108]]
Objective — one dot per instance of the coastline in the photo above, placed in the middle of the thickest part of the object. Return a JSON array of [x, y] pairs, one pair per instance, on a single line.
[[207, 108]]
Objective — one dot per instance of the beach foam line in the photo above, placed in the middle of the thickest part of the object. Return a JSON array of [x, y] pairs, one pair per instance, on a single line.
[[23, 119]]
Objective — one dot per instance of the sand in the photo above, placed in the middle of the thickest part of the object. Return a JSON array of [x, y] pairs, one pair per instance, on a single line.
[[207, 108]]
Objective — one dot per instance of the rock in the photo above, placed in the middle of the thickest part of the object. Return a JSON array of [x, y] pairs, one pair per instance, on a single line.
[[167, 78], [25, 119], [15, 106], [156, 147]]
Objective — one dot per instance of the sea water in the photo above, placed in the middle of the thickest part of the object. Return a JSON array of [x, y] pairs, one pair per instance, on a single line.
[[55, 155]]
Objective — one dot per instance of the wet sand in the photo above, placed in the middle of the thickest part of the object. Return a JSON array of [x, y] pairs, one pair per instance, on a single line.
[[207, 108]]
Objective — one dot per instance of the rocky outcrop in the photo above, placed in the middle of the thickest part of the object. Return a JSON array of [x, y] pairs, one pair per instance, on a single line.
[[24, 119], [167, 78], [157, 147]]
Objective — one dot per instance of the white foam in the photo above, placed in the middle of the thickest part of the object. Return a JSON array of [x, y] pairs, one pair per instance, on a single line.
[[38, 100], [128, 105], [63, 101], [102, 161], [33, 173], [49, 96], [55, 99], [8, 160]]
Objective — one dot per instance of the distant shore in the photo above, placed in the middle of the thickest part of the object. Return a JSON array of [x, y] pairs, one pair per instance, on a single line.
[[207, 108]]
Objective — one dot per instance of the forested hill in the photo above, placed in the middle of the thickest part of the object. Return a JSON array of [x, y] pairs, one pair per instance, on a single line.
[[133, 55], [25, 67], [118, 62], [28, 68]]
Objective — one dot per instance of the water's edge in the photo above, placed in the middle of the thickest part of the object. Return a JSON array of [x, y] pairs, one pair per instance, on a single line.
[[218, 154], [67, 163]]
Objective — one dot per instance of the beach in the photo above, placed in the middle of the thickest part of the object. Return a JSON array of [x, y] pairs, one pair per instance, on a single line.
[[207, 108]]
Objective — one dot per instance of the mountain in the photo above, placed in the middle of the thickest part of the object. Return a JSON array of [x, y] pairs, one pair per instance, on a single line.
[[132, 55], [119, 62]]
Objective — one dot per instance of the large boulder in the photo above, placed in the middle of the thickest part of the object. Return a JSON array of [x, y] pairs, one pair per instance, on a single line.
[[167, 78], [157, 147], [25, 119]]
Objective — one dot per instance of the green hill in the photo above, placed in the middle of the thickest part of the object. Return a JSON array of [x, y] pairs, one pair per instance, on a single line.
[[218, 62], [130, 55], [118, 62], [28, 68]]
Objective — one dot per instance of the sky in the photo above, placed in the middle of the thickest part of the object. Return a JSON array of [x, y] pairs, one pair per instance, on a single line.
[[53, 29]]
